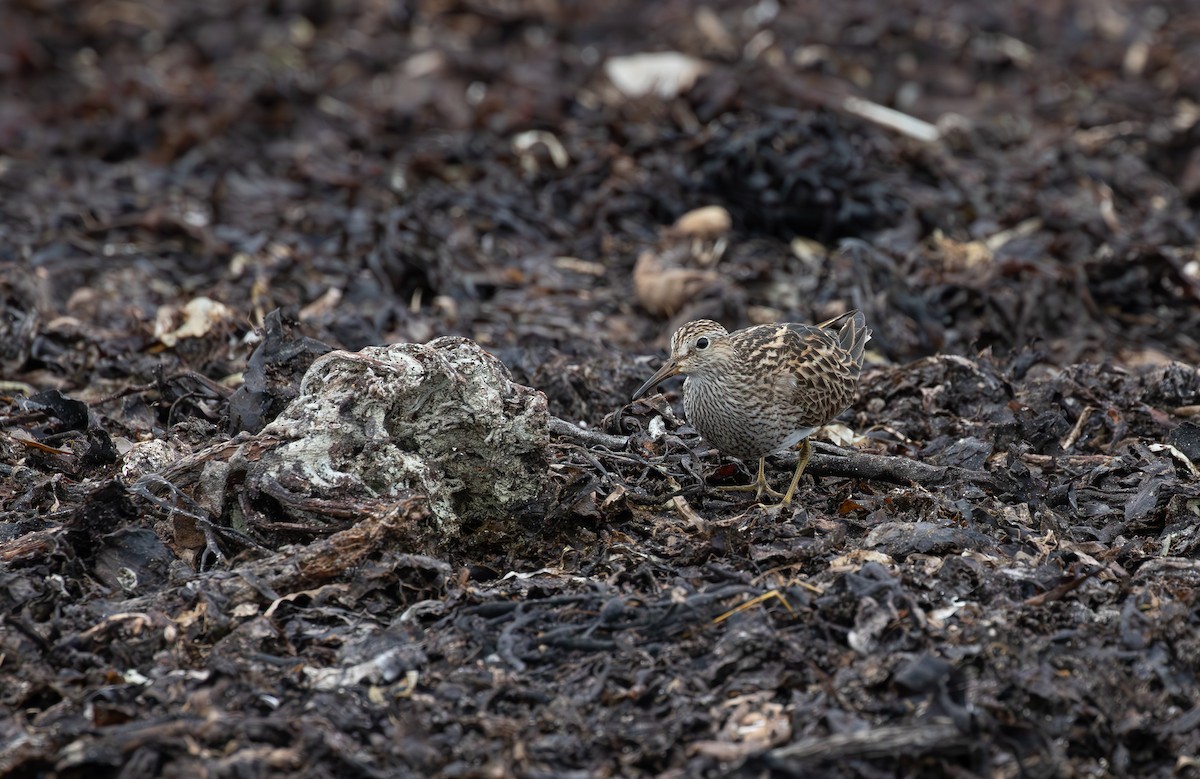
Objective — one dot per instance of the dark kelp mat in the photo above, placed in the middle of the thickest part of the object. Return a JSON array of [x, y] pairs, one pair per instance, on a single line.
[[209, 567]]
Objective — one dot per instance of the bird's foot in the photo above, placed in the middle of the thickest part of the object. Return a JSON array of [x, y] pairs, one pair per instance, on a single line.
[[759, 486]]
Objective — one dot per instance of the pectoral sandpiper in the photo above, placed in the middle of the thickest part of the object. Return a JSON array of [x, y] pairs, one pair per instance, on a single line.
[[764, 389]]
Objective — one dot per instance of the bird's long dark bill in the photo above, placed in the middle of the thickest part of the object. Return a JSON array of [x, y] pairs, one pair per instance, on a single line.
[[667, 371]]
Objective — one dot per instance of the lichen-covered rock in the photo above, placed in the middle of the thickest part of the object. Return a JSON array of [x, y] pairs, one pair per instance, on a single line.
[[444, 418]]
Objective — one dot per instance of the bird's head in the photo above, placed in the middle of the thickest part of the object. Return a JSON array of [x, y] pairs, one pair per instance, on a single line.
[[694, 347]]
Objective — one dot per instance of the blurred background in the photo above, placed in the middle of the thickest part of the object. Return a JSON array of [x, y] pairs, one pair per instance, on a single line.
[[1020, 178]]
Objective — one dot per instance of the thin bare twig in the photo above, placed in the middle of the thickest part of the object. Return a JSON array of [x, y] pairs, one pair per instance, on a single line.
[[938, 734], [831, 461], [567, 429], [901, 470]]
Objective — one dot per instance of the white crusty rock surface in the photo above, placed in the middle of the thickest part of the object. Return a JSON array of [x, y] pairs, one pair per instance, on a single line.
[[444, 418]]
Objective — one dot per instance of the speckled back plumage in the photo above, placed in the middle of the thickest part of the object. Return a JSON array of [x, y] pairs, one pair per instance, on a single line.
[[763, 389]]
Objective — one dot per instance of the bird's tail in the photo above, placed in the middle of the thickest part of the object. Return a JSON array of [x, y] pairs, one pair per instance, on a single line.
[[853, 335]]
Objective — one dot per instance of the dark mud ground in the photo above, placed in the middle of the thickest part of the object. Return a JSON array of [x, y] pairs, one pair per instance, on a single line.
[[1031, 275]]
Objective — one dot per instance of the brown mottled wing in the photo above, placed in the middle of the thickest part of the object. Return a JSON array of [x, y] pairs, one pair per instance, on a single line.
[[822, 376]]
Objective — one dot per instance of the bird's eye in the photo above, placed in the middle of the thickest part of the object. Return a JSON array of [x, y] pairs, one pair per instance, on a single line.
[[702, 342]]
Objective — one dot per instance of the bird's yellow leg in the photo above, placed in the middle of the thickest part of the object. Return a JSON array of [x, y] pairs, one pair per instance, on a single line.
[[801, 464]]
